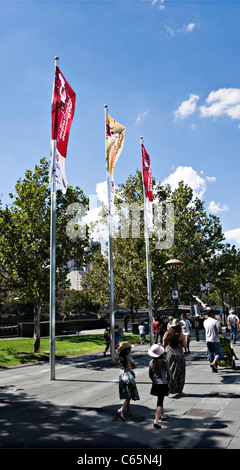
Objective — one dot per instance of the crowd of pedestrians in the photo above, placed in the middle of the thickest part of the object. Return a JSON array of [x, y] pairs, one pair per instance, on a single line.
[[167, 368]]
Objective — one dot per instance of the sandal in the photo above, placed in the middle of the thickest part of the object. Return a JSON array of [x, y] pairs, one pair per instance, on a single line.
[[120, 414], [164, 418]]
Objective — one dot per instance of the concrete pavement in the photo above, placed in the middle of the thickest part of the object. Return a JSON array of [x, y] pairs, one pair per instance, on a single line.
[[78, 409]]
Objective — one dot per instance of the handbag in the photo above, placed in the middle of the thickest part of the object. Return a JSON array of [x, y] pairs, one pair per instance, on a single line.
[[126, 376]]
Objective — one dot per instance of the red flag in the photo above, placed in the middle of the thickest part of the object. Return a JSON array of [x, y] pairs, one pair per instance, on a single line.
[[147, 174], [63, 106], [147, 183]]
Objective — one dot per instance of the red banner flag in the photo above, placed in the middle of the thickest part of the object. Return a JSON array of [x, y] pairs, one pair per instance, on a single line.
[[63, 106], [147, 183], [147, 174]]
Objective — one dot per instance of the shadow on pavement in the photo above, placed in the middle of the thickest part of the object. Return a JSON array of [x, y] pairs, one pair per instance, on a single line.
[[29, 423]]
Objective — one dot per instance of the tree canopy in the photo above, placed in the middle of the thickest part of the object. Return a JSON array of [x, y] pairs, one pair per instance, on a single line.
[[25, 239], [198, 239]]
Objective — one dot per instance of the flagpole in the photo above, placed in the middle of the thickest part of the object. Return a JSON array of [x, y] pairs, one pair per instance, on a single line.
[[149, 287], [110, 256], [53, 256]]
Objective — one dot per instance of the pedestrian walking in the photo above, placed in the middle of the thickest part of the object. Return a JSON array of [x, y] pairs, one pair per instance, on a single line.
[[127, 386], [170, 320], [233, 325], [160, 375], [174, 341], [142, 332], [117, 337], [155, 327], [107, 339], [220, 314], [187, 331], [214, 349], [163, 328]]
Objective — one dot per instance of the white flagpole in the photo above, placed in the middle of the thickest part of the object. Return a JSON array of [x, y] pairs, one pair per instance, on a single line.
[[53, 256], [149, 287], [110, 257]]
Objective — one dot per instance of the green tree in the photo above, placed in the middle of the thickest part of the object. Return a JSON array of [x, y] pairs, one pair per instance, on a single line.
[[78, 302], [97, 279], [197, 239], [225, 277], [25, 239]]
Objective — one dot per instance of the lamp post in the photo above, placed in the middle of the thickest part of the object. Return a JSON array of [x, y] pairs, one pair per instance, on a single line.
[[17, 298], [174, 263], [224, 299]]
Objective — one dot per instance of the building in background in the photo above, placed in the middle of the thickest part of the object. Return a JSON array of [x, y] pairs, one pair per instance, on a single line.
[[77, 273], [76, 277]]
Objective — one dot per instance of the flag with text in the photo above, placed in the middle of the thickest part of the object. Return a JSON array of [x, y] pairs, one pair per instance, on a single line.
[[115, 134], [63, 106], [147, 183]]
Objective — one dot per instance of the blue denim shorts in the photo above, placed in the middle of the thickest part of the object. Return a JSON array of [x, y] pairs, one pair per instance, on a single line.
[[214, 350]]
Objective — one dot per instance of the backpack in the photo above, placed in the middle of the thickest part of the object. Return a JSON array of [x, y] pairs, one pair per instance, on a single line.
[[106, 335]]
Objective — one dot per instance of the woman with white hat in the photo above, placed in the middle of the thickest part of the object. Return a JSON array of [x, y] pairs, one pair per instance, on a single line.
[[160, 375], [127, 386]]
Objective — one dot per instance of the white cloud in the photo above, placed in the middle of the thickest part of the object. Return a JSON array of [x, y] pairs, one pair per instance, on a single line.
[[171, 31], [97, 215], [187, 107], [233, 235], [97, 228], [190, 27], [190, 177], [142, 116], [210, 179], [160, 4], [185, 29], [214, 207], [102, 192], [223, 102]]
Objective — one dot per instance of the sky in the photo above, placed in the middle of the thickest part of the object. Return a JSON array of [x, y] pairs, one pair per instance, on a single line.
[[168, 70]]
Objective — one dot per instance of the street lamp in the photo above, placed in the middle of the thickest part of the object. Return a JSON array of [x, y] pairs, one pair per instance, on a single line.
[[224, 299], [174, 263], [17, 298]]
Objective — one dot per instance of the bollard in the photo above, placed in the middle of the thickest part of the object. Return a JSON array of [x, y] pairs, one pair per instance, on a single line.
[[197, 333], [196, 325]]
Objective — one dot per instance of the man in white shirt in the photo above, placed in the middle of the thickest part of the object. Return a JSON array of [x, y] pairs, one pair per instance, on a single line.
[[233, 324], [214, 348], [142, 332], [187, 331]]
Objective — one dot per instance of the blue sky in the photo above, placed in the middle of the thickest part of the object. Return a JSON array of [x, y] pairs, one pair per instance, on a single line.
[[168, 70]]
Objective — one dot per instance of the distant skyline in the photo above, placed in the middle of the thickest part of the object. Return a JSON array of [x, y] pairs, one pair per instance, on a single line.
[[168, 70]]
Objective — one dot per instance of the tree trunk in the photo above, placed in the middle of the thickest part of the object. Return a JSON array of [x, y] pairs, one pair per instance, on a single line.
[[132, 313], [37, 335]]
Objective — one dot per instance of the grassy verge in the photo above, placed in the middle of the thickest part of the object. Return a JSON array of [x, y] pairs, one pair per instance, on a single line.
[[20, 351]]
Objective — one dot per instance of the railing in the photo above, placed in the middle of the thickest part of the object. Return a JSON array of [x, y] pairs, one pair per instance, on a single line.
[[7, 331]]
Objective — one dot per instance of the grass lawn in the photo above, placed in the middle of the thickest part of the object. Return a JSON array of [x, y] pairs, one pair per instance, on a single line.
[[20, 351]]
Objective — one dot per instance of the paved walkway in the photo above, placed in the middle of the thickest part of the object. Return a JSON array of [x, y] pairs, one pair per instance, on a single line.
[[78, 409]]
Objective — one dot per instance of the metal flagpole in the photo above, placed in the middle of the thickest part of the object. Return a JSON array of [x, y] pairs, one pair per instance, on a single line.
[[110, 256], [149, 287], [53, 256]]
